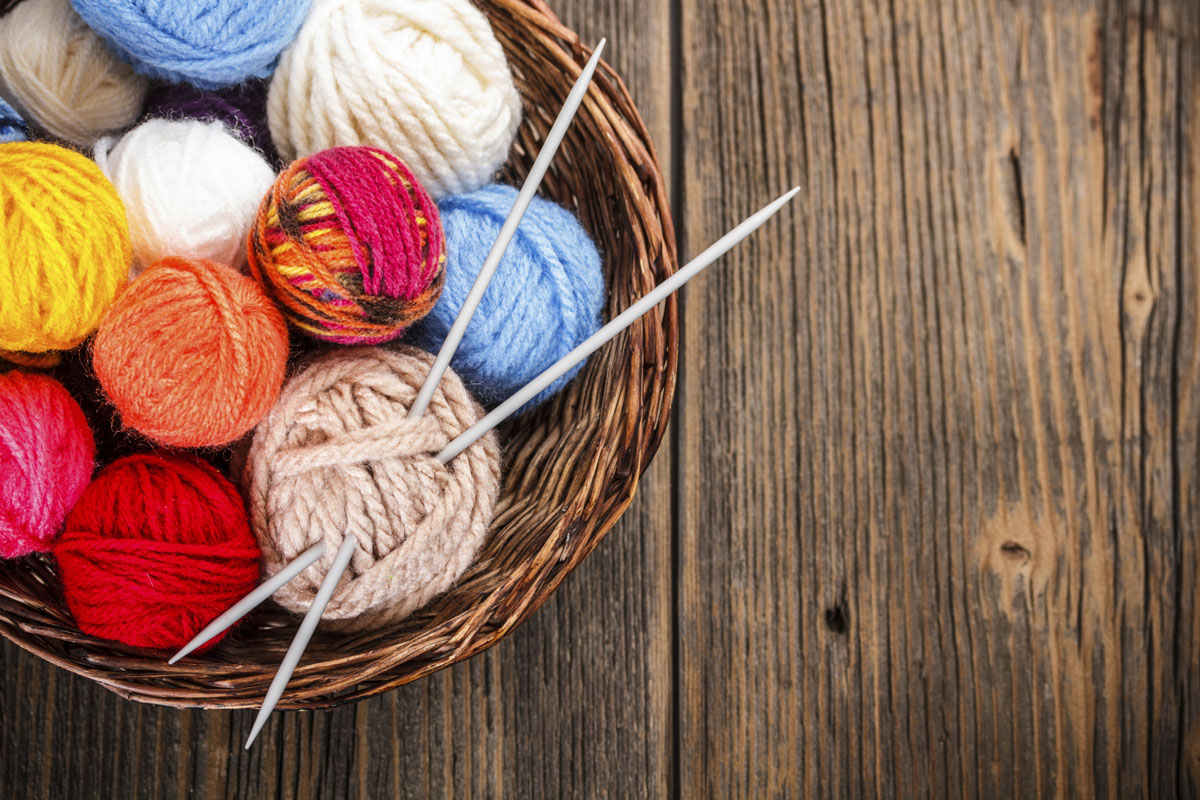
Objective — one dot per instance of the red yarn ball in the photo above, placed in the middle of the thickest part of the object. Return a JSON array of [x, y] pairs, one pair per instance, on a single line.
[[157, 547], [46, 460]]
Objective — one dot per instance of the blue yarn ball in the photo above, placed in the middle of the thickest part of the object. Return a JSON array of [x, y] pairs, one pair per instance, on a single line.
[[545, 298], [12, 127], [207, 43]]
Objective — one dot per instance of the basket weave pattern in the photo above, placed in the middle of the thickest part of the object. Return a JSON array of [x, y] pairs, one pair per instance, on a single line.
[[571, 468]]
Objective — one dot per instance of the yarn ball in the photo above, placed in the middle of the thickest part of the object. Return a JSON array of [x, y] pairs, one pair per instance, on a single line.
[[424, 79], [65, 251], [193, 354], [62, 77], [12, 127], [545, 298], [338, 456], [46, 456], [350, 245], [207, 43], [241, 108], [191, 189], [157, 547]]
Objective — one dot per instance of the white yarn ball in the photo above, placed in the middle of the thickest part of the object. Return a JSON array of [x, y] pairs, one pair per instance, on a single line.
[[191, 189], [62, 77], [425, 80]]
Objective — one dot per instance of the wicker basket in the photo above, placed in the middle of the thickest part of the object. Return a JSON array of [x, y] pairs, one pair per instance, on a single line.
[[571, 468]]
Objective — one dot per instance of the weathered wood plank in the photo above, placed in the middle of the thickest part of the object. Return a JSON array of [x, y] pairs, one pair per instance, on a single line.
[[577, 702], [939, 439]]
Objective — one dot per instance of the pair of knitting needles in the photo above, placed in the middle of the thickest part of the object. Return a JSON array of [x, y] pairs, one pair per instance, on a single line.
[[304, 634]]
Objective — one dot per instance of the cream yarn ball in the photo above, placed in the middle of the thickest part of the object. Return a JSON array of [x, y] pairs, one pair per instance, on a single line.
[[191, 189], [423, 79], [62, 77], [338, 457]]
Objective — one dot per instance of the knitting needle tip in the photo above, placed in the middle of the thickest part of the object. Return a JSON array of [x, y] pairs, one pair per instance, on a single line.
[[252, 600], [309, 624]]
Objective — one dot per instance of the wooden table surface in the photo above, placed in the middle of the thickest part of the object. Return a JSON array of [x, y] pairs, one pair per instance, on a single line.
[[927, 521]]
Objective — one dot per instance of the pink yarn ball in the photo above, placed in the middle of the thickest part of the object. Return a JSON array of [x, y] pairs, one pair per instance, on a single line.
[[46, 459]]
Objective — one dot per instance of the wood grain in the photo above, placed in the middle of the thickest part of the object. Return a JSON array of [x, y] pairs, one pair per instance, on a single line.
[[928, 522], [938, 438]]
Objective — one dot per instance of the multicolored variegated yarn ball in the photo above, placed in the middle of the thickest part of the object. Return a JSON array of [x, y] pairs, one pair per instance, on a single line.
[[350, 245]]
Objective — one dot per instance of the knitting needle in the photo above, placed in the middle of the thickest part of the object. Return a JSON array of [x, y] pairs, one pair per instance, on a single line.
[[252, 600], [507, 409], [292, 657], [440, 364], [449, 346], [524, 198], [610, 331]]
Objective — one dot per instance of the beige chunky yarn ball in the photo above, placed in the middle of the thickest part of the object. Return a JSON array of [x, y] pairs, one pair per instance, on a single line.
[[338, 457], [423, 79], [62, 77]]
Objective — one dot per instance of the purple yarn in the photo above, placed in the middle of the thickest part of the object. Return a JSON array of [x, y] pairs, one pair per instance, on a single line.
[[242, 108]]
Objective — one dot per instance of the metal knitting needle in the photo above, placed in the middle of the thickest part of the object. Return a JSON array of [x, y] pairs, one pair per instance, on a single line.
[[453, 338], [292, 657], [440, 364], [252, 600]]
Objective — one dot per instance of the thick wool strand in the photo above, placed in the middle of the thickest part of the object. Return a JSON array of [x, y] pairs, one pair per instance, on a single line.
[[544, 300], [191, 189], [207, 43], [65, 251], [46, 457], [12, 126], [61, 75], [424, 79], [338, 456], [193, 354], [157, 547], [350, 245]]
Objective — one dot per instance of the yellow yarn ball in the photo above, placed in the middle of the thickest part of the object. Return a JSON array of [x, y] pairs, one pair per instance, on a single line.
[[65, 253]]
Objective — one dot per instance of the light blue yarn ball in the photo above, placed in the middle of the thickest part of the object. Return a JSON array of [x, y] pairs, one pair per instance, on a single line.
[[545, 298], [207, 43], [12, 127]]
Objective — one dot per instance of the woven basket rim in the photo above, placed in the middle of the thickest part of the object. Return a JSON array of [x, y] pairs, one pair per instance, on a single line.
[[589, 448]]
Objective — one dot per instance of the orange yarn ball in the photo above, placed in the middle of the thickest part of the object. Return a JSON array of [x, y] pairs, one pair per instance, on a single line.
[[193, 354]]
